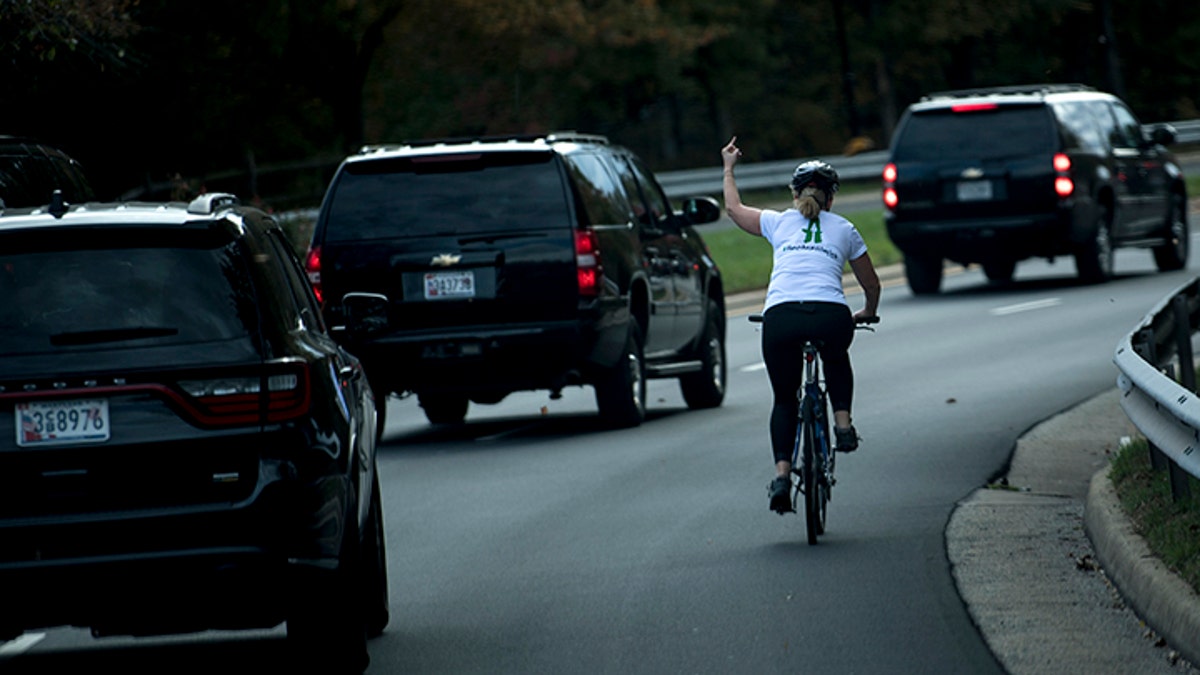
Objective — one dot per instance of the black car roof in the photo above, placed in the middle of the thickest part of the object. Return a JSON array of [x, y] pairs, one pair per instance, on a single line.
[[204, 209], [561, 141], [1019, 95]]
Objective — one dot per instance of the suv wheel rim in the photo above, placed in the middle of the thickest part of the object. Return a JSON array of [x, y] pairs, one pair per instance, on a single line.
[[718, 365], [1179, 227], [635, 381], [1104, 250]]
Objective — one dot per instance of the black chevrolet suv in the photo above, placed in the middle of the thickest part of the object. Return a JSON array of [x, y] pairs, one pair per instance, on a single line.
[[183, 446], [477, 268], [995, 176]]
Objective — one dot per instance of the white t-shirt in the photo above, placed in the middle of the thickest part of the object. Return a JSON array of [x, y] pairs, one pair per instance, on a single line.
[[809, 257]]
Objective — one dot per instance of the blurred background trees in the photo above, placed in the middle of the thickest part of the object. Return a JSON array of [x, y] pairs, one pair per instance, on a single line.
[[268, 95]]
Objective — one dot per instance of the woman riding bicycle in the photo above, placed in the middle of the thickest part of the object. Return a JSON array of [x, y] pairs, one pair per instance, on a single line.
[[805, 301]]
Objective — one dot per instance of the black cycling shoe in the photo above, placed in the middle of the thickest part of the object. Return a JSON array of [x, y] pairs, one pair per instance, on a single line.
[[847, 439], [781, 495]]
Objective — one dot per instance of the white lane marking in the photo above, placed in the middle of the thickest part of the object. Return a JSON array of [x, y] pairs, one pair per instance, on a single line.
[[1026, 306], [754, 367], [21, 644]]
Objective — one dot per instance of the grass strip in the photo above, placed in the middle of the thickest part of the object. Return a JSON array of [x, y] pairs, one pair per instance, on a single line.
[[1171, 529]]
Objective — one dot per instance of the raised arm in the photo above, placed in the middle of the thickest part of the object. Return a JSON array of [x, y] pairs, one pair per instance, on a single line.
[[743, 216], [868, 279]]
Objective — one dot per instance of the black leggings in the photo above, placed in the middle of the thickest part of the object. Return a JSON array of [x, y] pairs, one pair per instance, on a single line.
[[785, 328]]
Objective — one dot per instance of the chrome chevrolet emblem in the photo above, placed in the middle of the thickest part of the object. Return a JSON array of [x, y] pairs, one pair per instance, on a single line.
[[972, 173], [445, 260]]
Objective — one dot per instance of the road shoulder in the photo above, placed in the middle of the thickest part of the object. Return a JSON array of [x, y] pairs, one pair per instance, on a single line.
[[1026, 568]]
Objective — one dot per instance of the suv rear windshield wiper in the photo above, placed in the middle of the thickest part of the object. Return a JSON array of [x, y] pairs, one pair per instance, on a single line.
[[88, 337]]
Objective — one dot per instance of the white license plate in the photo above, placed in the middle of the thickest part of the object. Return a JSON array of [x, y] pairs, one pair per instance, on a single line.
[[55, 422], [974, 190], [443, 285]]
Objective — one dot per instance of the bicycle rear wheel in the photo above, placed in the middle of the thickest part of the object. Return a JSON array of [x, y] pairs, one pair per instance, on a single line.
[[822, 456], [814, 517]]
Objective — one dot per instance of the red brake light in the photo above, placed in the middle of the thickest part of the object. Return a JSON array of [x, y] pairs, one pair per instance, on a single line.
[[1064, 186], [889, 173], [890, 199], [587, 263], [1062, 163], [973, 107], [312, 265]]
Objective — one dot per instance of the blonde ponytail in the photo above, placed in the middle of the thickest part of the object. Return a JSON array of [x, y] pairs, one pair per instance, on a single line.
[[809, 202]]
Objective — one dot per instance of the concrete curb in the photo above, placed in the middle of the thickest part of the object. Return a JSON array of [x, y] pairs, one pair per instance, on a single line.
[[1161, 598]]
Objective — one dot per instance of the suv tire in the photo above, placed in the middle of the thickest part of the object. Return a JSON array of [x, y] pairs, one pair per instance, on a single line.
[[1000, 271], [1173, 255], [325, 629], [924, 274], [444, 408], [621, 392], [706, 388], [1094, 260], [376, 611]]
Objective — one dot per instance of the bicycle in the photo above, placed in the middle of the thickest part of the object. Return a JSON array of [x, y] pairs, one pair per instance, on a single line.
[[813, 475]]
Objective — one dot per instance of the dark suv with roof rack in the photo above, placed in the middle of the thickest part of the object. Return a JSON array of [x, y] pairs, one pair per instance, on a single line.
[[995, 176], [183, 446], [482, 267]]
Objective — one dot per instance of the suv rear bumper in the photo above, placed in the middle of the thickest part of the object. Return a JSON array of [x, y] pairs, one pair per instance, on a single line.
[[977, 240], [503, 359], [170, 570]]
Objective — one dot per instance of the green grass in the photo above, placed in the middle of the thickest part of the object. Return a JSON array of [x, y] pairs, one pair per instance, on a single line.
[[745, 260], [1171, 529]]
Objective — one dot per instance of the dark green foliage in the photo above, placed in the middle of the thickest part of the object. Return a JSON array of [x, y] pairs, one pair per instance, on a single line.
[[143, 89]]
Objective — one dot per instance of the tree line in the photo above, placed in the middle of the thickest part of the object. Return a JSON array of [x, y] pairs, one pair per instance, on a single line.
[[145, 92]]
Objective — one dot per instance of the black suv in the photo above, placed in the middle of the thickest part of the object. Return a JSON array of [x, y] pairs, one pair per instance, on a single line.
[[31, 171], [994, 176], [183, 446], [482, 267]]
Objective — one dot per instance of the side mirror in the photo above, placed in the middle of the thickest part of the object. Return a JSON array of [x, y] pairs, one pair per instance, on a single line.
[[366, 313], [1163, 134], [700, 210]]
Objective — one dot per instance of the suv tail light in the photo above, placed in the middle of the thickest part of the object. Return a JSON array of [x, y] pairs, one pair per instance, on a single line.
[[890, 198], [588, 269], [1064, 186], [279, 393], [274, 393], [312, 265]]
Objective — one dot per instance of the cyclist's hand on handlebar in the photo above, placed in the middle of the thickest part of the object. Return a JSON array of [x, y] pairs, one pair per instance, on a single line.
[[861, 317]]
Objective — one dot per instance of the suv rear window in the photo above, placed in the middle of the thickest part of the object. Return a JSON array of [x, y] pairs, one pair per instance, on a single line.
[[59, 299], [1006, 131], [448, 195]]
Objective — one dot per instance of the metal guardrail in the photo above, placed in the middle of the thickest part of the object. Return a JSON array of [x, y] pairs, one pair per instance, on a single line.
[[1165, 409], [863, 166]]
